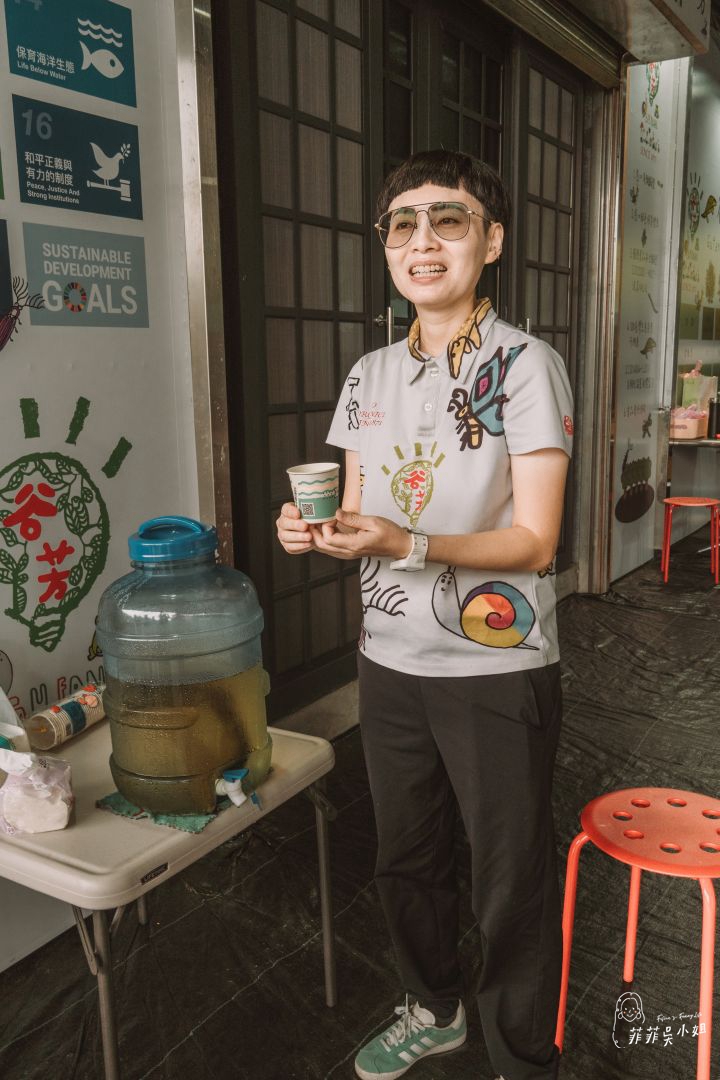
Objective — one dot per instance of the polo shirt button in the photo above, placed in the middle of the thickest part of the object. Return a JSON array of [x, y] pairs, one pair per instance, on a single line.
[[428, 406]]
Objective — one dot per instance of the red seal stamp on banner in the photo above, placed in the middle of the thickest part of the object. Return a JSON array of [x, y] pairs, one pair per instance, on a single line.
[[568, 424]]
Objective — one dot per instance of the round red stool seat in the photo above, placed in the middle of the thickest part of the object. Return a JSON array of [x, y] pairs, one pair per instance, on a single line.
[[690, 501], [664, 831], [659, 829]]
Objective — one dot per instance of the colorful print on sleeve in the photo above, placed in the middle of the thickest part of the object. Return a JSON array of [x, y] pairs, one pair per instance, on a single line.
[[494, 614], [482, 409]]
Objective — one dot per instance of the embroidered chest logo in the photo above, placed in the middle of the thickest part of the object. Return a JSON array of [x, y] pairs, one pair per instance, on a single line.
[[372, 417], [481, 410], [413, 483]]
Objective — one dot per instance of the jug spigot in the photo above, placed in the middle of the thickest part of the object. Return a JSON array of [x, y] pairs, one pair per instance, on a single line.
[[231, 785]]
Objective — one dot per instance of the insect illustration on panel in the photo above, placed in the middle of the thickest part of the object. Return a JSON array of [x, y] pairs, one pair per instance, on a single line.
[[11, 319]]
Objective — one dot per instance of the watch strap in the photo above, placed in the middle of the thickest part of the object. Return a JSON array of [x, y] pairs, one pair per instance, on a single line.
[[415, 559]]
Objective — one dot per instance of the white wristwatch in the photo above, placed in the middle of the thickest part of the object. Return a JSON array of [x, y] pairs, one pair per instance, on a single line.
[[415, 560]]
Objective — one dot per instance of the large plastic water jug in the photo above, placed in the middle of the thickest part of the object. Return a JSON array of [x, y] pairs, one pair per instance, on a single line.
[[185, 687]]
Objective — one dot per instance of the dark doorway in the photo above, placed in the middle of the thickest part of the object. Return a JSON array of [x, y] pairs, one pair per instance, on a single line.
[[316, 100]]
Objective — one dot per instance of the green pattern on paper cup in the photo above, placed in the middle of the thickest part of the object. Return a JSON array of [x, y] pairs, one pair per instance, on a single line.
[[315, 490], [317, 499]]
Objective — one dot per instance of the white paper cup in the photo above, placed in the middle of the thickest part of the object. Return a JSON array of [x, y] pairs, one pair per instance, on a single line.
[[316, 489]]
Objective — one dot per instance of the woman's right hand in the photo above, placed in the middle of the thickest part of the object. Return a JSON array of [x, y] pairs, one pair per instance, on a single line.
[[293, 532]]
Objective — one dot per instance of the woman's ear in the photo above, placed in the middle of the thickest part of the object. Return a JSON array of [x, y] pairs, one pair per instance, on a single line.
[[496, 242]]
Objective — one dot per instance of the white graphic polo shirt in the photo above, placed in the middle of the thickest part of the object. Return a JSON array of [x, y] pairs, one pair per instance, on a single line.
[[435, 435]]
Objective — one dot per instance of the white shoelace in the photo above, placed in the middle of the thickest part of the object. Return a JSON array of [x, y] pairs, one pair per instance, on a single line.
[[408, 1025]]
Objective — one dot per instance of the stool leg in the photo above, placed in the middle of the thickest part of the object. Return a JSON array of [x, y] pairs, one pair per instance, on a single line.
[[666, 542], [568, 919], [632, 923], [707, 961]]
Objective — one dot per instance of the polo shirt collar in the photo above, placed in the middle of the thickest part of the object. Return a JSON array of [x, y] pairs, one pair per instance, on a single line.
[[462, 349]]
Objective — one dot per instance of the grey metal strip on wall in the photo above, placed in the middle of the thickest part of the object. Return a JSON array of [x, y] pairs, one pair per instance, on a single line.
[[202, 240]]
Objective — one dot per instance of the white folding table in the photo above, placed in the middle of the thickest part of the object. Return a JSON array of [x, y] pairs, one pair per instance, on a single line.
[[103, 861]]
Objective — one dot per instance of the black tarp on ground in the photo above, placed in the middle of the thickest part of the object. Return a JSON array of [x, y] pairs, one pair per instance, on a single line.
[[227, 978]]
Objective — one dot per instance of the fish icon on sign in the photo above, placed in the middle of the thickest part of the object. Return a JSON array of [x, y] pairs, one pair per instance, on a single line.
[[102, 60]]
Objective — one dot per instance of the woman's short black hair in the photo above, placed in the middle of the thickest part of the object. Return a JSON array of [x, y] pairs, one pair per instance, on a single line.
[[451, 169]]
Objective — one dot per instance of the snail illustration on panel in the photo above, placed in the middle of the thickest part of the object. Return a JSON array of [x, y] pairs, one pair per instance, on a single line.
[[494, 614]]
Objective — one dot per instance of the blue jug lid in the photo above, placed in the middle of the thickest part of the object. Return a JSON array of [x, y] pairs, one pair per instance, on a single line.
[[167, 539]]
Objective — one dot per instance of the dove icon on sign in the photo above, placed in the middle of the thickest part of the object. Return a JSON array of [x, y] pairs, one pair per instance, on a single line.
[[108, 169]]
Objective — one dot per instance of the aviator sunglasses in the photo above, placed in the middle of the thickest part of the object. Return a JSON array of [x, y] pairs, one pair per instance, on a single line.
[[449, 220]]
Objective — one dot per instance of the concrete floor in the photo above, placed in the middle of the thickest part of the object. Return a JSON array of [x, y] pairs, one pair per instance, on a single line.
[[226, 980]]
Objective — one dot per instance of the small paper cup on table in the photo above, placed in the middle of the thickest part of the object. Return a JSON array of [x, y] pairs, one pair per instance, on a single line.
[[316, 489]]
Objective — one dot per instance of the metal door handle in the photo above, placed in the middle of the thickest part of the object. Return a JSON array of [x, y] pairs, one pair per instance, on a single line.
[[388, 320], [528, 325]]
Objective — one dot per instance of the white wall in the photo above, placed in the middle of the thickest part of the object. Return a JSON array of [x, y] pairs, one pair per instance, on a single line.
[[136, 379]]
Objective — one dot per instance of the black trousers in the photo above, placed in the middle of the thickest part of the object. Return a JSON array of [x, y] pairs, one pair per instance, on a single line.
[[485, 744]]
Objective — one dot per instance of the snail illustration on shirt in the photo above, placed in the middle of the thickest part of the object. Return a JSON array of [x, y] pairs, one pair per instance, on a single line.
[[495, 613]]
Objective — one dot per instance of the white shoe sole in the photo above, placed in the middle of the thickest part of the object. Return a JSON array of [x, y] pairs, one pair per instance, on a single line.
[[365, 1075]]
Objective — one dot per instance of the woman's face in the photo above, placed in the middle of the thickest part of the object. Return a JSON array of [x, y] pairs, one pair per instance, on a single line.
[[436, 274]]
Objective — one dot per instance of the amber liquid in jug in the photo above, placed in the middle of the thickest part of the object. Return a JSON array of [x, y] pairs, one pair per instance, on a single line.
[[187, 727]]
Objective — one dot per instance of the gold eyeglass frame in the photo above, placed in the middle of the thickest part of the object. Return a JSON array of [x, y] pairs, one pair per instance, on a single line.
[[425, 208]]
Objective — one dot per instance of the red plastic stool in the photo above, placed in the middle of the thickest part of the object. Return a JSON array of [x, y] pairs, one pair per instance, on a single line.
[[692, 500], [668, 832]]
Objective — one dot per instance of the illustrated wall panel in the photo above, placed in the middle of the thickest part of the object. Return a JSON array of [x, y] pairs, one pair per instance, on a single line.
[[97, 422], [655, 124]]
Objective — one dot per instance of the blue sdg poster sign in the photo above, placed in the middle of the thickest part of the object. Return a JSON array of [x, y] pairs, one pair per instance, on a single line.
[[86, 45], [76, 160]]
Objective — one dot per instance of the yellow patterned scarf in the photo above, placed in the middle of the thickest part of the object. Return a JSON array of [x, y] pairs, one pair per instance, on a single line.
[[464, 341]]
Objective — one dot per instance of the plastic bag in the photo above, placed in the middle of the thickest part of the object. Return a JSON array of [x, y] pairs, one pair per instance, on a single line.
[[37, 795]]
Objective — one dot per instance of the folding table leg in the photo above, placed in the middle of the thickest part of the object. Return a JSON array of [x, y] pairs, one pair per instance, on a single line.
[[105, 996], [99, 957], [324, 811]]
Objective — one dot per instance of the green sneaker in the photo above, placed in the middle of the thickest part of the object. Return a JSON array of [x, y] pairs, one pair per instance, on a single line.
[[410, 1038]]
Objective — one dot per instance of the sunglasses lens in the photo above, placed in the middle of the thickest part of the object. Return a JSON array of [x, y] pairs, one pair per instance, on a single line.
[[397, 226], [449, 220]]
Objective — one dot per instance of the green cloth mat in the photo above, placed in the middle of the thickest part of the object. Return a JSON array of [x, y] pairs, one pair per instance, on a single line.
[[192, 823]]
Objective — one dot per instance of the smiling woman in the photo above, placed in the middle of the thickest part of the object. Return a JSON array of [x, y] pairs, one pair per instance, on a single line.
[[458, 664]]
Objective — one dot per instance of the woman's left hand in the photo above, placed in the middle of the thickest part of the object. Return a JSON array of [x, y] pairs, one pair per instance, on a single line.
[[353, 536]]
